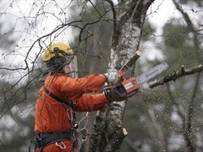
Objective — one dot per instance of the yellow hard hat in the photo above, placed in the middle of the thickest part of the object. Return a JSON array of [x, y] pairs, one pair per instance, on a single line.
[[56, 49]]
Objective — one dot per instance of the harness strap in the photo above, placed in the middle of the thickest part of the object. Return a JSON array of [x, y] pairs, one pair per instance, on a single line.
[[54, 96], [72, 105]]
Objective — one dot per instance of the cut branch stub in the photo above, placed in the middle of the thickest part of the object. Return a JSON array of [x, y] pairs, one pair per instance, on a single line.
[[116, 140], [133, 59]]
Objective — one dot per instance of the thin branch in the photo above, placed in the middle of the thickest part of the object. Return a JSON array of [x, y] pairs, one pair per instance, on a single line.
[[115, 29]]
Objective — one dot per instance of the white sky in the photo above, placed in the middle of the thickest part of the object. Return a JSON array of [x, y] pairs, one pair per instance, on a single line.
[[161, 11], [158, 14]]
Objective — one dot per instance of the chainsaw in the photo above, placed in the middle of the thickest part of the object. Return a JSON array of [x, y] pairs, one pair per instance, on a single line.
[[129, 85]]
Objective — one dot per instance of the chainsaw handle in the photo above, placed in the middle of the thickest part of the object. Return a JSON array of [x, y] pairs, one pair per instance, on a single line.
[[126, 70]]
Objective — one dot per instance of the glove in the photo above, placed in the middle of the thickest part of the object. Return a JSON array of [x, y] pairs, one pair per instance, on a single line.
[[115, 93], [112, 76]]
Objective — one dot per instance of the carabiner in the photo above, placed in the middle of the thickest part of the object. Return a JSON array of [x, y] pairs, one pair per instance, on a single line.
[[84, 133], [63, 145]]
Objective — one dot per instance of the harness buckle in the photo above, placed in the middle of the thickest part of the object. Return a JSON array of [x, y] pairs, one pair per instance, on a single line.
[[63, 146]]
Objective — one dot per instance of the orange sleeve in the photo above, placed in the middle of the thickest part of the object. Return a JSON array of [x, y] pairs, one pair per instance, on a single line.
[[90, 102], [73, 88]]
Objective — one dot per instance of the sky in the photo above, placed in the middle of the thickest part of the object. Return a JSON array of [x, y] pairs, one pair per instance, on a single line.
[[161, 11], [21, 17]]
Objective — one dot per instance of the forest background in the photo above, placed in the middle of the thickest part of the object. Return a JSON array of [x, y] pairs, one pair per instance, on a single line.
[[165, 118]]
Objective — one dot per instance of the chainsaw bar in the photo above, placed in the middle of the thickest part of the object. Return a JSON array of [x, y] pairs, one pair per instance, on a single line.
[[144, 77]]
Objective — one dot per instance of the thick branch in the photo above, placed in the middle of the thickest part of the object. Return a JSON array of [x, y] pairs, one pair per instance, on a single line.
[[176, 75]]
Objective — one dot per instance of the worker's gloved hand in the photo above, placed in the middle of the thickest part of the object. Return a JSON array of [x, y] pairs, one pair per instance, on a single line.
[[112, 76], [115, 93]]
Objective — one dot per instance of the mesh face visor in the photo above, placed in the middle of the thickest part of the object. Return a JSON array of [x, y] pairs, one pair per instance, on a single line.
[[72, 63], [71, 60]]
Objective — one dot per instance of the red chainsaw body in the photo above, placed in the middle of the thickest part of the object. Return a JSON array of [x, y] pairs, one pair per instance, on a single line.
[[128, 81], [130, 85]]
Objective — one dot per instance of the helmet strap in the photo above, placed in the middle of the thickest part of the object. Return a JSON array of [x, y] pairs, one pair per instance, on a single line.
[[56, 51]]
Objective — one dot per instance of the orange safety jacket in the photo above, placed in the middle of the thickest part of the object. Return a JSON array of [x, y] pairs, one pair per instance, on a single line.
[[53, 116]]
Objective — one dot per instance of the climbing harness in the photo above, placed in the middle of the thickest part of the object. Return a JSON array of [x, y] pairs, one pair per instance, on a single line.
[[44, 139]]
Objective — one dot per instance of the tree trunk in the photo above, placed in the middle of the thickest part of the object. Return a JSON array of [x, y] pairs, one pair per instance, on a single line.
[[108, 133]]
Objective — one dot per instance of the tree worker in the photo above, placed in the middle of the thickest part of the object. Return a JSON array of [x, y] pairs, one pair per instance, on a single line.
[[61, 95]]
